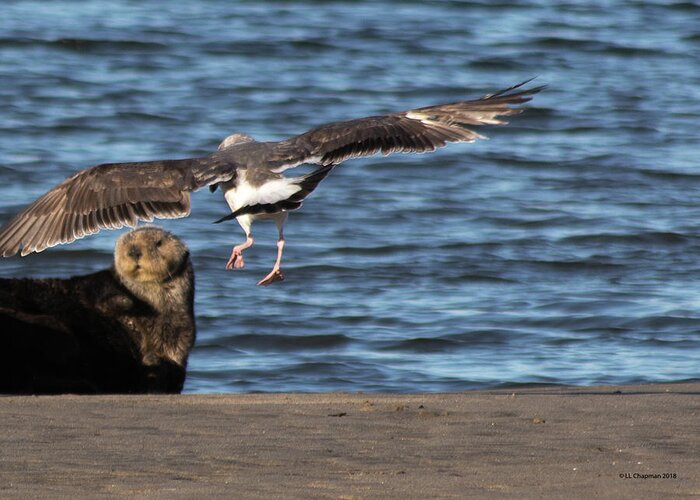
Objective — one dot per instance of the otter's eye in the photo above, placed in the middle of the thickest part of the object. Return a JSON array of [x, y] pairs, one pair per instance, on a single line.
[[159, 243]]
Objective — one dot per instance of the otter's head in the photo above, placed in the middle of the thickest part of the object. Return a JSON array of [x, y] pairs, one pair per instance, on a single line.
[[155, 267], [234, 139], [149, 255]]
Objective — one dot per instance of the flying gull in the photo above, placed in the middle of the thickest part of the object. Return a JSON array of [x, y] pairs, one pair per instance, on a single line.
[[249, 172]]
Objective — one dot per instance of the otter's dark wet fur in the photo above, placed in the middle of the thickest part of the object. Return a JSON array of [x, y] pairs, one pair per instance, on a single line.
[[126, 329]]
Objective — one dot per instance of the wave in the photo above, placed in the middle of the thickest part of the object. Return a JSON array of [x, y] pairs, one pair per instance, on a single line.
[[645, 238], [514, 62], [272, 342], [683, 6], [670, 175], [84, 44], [465, 278], [451, 342], [589, 45], [260, 48]]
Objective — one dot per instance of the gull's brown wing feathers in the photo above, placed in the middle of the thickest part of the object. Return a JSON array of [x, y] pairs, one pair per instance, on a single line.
[[109, 196], [119, 194], [418, 130]]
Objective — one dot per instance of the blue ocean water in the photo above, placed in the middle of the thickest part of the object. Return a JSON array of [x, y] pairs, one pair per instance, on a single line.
[[564, 250]]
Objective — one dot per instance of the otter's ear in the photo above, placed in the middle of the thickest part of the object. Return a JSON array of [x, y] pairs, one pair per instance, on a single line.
[[212, 187]]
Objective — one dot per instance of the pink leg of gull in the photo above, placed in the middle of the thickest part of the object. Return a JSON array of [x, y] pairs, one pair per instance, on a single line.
[[276, 273], [236, 259]]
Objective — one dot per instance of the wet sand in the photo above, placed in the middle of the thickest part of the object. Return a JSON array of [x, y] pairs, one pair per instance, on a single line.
[[624, 442]]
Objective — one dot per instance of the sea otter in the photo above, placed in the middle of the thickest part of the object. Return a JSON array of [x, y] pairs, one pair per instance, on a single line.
[[126, 329]]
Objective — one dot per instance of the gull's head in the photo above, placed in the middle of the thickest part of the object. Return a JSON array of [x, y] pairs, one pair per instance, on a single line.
[[234, 139]]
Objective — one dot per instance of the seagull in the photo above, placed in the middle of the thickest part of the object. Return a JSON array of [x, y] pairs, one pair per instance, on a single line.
[[248, 172]]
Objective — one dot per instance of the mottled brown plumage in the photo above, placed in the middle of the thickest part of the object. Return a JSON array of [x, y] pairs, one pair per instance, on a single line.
[[114, 195]]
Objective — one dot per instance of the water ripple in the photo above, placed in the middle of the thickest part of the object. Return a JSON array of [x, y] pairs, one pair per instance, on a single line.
[[561, 251]]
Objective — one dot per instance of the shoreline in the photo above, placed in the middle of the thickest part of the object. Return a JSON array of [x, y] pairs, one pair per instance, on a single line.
[[612, 441]]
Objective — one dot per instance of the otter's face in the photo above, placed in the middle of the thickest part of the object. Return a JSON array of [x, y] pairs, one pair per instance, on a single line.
[[149, 255]]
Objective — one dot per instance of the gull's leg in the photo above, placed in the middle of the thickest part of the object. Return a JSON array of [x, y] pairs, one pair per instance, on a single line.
[[236, 259], [276, 273]]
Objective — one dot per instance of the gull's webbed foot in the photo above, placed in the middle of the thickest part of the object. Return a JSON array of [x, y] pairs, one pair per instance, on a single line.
[[275, 275], [236, 260]]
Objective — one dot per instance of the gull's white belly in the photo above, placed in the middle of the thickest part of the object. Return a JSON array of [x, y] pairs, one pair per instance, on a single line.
[[241, 193]]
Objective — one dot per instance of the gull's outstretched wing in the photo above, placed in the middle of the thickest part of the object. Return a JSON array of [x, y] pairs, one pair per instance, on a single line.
[[110, 196], [415, 131], [120, 194]]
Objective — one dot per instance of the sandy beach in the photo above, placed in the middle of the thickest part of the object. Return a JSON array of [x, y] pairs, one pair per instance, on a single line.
[[627, 441]]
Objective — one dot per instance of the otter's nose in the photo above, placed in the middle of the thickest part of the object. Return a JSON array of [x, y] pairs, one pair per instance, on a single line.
[[134, 252]]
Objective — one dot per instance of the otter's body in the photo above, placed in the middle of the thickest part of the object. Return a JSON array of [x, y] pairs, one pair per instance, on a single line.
[[127, 329]]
